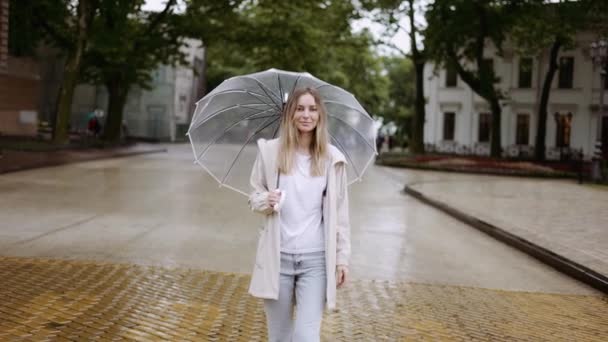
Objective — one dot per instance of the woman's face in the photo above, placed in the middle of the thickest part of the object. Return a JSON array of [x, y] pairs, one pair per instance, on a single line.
[[306, 116]]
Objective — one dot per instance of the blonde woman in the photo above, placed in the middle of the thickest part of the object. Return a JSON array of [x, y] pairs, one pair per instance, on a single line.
[[299, 185]]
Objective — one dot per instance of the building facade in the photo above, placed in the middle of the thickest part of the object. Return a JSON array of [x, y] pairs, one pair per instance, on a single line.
[[458, 120], [162, 113], [19, 86]]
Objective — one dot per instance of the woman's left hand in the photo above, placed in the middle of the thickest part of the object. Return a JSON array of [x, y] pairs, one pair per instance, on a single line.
[[341, 275]]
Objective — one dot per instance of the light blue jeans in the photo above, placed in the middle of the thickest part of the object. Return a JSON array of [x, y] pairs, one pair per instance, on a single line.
[[304, 280]]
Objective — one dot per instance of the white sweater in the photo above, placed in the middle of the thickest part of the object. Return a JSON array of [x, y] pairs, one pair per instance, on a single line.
[[301, 216]]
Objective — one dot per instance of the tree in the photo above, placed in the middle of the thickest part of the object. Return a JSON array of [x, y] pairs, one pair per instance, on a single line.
[[458, 33], [543, 29], [419, 59], [313, 36], [389, 14], [355, 66], [23, 33], [146, 41], [400, 106], [66, 25]]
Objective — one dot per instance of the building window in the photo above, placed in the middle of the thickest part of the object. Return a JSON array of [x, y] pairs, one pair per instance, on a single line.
[[522, 134], [564, 127], [525, 73], [566, 72], [484, 127], [182, 103], [449, 121], [451, 76]]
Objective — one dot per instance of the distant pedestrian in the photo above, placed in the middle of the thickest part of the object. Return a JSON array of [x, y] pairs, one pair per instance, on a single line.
[[379, 142], [300, 187], [124, 130], [94, 126]]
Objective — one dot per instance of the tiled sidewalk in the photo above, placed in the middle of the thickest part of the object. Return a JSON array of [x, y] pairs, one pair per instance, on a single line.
[[566, 218], [74, 300]]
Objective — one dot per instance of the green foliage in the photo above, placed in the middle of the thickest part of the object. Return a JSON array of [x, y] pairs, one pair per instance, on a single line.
[[127, 44], [597, 16], [357, 68], [538, 24], [124, 44], [401, 94], [313, 36], [457, 33], [53, 22], [24, 35]]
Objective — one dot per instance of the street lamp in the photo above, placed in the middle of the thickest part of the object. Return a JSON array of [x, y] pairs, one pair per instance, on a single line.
[[599, 56]]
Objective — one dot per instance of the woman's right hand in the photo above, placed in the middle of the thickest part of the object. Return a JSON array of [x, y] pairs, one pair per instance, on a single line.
[[274, 197]]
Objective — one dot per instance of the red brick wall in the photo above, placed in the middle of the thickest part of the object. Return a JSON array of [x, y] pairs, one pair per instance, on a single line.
[[19, 86], [17, 94], [3, 33]]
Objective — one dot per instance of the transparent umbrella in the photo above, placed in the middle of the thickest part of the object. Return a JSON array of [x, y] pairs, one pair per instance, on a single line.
[[228, 121]]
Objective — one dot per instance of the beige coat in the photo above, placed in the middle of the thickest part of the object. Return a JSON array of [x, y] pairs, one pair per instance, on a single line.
[[265, 277]]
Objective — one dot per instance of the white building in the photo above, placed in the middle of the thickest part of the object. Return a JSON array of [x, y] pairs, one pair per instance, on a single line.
[[161, 113], [458, 120]]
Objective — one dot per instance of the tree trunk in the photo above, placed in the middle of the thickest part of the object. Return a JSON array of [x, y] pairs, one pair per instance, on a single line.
[[117, 93], [66, 93], [72, 73], [495, 137], [416, 144], [541, 128]]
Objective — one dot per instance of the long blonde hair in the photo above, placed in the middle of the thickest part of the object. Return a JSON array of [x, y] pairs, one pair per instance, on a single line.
[[289, 134]]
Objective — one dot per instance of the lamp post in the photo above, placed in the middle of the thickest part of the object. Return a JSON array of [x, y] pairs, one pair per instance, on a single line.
[[599, 56]]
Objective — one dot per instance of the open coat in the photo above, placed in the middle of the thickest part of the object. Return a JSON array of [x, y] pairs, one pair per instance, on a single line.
[[265, 277]]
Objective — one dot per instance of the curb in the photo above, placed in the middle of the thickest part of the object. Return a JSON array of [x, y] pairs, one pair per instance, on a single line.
[[558, 262], [488, 172], [84, 159]]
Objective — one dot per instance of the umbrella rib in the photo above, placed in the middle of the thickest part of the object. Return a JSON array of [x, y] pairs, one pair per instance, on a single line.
[[262, 86], [248, 92], [249, 117], [356, 131], [295, 84], [346, 154], [276, 130], [280, 91], [211, 116], [228, 91], [254, 95], [244, 145]]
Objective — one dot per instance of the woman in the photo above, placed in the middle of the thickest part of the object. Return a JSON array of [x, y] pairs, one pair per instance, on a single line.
[[299, 183]]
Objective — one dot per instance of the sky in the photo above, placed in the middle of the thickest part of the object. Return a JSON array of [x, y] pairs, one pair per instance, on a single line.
[[401, 40]]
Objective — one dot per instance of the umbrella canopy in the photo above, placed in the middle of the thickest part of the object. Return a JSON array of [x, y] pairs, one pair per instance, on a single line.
[[228, 121]]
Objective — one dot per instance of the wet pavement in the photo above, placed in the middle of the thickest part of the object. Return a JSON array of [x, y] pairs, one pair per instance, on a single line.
[[562, 216], [81, 239]]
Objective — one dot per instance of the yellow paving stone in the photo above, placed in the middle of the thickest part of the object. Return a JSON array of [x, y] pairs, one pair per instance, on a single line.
[[110, 302]]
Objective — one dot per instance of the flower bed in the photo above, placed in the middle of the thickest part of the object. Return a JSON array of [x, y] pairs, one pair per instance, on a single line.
[[477, 164]]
